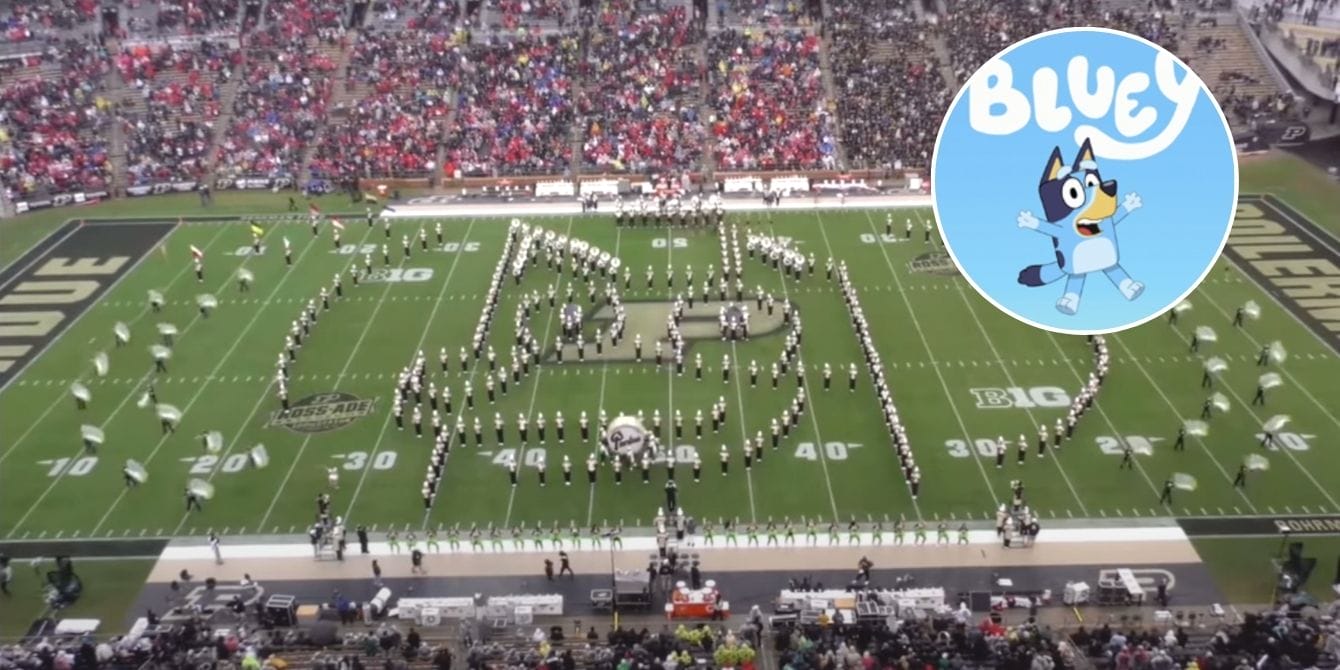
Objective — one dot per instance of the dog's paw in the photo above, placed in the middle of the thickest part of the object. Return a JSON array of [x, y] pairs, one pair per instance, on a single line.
[[1027, 220], [1132, 202], [1068, 304], [1131, 288]]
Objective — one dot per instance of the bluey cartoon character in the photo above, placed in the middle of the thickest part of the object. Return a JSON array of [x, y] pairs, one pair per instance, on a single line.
[[1081, 218]]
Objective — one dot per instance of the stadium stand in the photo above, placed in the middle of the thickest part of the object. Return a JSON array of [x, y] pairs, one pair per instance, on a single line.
[[769, 107], [282, 89], [890, 83], [641, 97], [52, 122], [514, 107]]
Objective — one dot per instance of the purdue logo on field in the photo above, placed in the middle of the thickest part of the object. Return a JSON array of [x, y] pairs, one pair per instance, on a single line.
[[322, 412], [935, 263], [626, 436]]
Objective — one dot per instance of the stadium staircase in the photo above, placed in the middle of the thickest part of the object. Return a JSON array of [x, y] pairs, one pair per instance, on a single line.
[[831, 93], [941, 50], [705, 113], [1235, 56]]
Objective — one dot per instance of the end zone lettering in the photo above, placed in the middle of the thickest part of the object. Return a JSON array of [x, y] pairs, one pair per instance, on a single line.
[[1292, 260], [43, 292]]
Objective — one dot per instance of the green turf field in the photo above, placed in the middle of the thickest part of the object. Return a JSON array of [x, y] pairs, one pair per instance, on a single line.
[[953, 360]]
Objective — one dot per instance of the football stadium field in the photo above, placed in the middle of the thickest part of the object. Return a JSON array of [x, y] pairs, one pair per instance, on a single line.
[[961, 372]]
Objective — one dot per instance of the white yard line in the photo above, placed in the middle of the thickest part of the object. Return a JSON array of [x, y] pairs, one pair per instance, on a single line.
[[255, 317], [744, 433], [265, 393], [1200, 442], [1257, 344], [813, 411], [535, 390], [144, 311], [1286, 451], [828, 246], [194, 320], [604, 370], [916, 324], [386, 423], [995, 353], [40, 257], [367, 327]]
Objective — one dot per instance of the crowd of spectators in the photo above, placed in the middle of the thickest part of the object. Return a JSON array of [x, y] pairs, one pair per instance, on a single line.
[[26, 20], [297, 20], [640, 106], [638, 86], [975, 30], [514, 110], [52, 137], [1270, 640], [278, 109], [891, 92], [423, 57], [769, 108], [931, 643], [390, 134], [196, 16], [169, 140], [771, 13], [514, 14]]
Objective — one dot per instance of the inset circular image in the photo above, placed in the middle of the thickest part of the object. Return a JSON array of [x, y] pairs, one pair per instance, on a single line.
[[1084, 180]]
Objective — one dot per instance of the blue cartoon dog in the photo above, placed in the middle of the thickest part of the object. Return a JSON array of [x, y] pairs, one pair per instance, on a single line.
[[1079, 207]]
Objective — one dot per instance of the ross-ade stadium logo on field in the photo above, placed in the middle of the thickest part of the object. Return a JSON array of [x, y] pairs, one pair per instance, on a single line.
[[934, 263], [322, 412], [1085, 180]]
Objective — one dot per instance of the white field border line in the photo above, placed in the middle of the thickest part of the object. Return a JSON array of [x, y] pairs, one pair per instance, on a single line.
[[809, 397], [1257, 344], [47, 346], [43, 256], [1285, 450], [470, 378], [823, 231], [265, 392], [916, 323], [535, 390], [214, 372], [1199, 441], [1115, 536], [115, 411], [63, 397], [367, 327], [1033, 420], [604, 369], [386, 423]]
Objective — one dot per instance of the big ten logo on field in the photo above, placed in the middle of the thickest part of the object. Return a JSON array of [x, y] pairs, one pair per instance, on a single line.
[[1085, 180], [1019, 397], [322, 412], [400, 275]]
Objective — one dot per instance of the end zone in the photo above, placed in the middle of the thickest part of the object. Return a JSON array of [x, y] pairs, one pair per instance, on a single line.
[[52, 286]]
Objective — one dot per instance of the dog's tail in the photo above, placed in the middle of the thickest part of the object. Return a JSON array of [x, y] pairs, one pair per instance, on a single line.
[[1038, 275]]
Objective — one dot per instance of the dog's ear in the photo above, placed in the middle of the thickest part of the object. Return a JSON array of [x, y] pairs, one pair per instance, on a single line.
[[1085, 153], [1054, 166]]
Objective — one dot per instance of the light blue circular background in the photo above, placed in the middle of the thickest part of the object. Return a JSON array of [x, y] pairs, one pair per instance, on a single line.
[[981, 182]]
